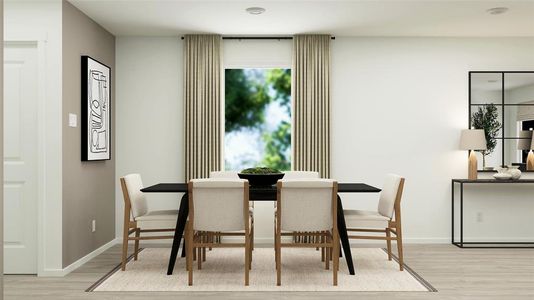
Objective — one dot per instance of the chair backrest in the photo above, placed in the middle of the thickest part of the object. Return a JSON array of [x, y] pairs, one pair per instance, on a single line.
[[133, 197], [391, 195], [218, 204], [307, 204], [224, 174], [300, 175]]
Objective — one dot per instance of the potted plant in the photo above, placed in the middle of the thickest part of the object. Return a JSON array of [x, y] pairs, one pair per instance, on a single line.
[[487, 118], [261, 176]]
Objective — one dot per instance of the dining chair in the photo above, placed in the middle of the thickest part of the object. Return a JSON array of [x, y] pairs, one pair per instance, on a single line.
[[288, 175], [233, 175], [307, 207], [218, 207], [139, 219], [224, 174], [386, 219], [300, 175]]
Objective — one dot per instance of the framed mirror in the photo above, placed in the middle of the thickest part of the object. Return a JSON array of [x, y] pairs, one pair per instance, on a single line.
[[502, 103]]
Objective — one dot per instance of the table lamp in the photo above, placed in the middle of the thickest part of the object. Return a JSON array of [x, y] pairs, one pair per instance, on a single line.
[[473, 139], [530, 157]]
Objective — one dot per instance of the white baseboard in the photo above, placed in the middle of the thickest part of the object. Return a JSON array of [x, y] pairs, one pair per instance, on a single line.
[[80, 262]]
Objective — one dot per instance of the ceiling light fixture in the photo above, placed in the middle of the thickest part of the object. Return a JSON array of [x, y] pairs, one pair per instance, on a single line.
[[255, 10], [497, 10]]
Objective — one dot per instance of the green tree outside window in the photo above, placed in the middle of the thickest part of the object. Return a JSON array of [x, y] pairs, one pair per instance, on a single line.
[[248, 95]]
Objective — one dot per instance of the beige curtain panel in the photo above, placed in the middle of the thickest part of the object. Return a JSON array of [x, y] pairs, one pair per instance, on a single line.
[[202, 97], [311, 103]]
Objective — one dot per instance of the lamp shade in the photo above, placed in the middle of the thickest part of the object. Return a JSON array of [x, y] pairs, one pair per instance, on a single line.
[[525, 141], [473, 139]]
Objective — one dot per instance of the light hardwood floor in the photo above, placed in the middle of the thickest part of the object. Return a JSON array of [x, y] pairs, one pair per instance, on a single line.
[[456, 274]]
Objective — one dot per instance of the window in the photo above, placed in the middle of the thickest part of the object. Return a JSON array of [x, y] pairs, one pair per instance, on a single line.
[[257, 118]]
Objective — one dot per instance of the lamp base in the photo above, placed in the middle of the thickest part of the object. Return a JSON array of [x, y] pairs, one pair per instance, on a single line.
[[473, 166], [530, 161]]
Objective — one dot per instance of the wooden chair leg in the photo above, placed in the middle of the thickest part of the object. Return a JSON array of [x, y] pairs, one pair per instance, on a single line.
[[210, 238], [199, 251], [185, 248], [189, 253], [278, 260], [388, 242], [335, 257], [136, 248], [275, 251], [194, 253], [328, 253], [124, 248], [399, 248], [247, 258], [252, 235], [205, 240], [250, 256], [199, 258], [323, 252]]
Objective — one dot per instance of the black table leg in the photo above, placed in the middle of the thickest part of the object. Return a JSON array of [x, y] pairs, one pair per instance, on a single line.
[[178, 231], [183, 250], [343, 236]]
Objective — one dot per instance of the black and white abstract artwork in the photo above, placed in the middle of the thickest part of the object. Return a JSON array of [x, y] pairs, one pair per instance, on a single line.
[[96, 110]]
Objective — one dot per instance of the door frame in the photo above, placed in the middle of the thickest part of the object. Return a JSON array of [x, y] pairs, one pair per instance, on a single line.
[[43, 142]]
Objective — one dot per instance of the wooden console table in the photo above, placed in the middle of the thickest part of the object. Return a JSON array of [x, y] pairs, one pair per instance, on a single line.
[[462, 243]]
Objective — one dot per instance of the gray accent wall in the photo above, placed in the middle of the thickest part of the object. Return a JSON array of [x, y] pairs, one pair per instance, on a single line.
[[88, 187]]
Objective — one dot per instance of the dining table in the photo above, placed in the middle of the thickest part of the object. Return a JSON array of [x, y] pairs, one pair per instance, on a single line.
[[256, 193]]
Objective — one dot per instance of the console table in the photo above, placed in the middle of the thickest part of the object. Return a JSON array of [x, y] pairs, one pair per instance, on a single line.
[[462, 243]]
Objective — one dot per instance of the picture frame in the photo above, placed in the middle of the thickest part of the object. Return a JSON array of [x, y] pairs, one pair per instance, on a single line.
[[96, 111]]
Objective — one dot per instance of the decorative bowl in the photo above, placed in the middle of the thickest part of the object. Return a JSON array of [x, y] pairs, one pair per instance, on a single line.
[[261, 179]]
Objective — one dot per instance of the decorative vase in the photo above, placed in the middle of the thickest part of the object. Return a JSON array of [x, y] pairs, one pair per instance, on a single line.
[[502, 174], [515, 172]]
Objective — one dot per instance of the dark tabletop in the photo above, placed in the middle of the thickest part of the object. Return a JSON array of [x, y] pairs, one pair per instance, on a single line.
[[259, 193]]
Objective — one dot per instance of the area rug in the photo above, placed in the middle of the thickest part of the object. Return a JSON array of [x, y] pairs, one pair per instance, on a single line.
[[302, 270]]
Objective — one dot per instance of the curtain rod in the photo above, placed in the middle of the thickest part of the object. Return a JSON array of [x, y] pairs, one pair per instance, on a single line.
[[259, 38]]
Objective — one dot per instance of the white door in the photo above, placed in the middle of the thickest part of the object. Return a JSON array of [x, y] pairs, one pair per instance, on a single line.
[[20, 158]]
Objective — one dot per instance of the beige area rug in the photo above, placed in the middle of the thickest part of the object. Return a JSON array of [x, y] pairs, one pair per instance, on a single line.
[[302, 270]]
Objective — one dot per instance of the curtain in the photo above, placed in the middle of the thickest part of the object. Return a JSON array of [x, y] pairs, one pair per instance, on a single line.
[[311, 103], [202, 97]]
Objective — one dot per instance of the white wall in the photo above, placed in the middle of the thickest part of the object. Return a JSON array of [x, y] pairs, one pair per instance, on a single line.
[[398, 105], [41, 21], [257, 53], [149, 116]]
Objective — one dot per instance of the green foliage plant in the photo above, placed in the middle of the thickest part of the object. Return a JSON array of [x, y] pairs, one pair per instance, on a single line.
[[487, 118], [260, 171]]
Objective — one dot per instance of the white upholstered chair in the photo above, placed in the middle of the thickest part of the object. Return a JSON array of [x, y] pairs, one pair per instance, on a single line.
[[224, 175], [386, 219], [307, 207], [138, 219], [217, 207], [289, 175], [233, 175]]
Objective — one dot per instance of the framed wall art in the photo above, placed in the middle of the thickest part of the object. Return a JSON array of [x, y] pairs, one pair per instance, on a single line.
[[96, 110]]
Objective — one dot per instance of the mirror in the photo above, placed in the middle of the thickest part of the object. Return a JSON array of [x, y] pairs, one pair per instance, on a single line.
[[502, 103]]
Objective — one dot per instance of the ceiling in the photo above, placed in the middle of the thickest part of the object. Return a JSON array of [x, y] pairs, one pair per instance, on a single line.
[[340, 18]]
